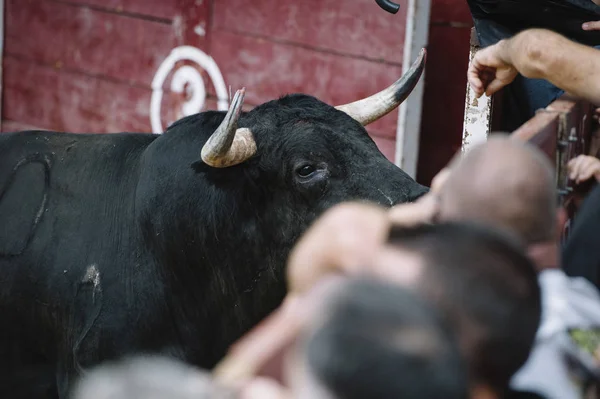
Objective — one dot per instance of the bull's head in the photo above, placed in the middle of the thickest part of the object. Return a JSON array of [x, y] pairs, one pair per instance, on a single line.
[[263, 178], [326, 152]]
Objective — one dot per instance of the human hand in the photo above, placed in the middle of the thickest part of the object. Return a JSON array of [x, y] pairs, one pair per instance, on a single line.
[[425, 209], [412, 214], [489, 72], [592, 25], [583, 168], [341, 241], [262, 352], [439, 180]]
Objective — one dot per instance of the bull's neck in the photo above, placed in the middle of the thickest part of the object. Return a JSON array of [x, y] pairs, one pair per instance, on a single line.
[[223, 272]]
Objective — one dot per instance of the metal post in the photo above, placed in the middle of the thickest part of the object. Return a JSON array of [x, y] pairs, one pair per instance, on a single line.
[[409, 114]]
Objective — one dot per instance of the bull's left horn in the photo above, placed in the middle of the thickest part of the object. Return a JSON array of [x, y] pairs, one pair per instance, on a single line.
[[374, 107], [228, 145]]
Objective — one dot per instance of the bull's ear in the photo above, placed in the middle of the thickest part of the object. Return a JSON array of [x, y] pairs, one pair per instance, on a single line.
[[374, 107], [228, 145]]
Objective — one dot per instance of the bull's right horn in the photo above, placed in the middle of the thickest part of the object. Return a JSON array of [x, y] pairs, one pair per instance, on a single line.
[[374, 107], [228, 145]]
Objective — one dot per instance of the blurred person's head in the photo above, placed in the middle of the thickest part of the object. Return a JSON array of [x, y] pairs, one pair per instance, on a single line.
[[149, 377], [376, 340], [507, 183], [482, 279]]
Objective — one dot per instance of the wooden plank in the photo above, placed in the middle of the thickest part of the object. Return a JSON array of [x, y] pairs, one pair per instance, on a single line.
[[193, 23], [187, 16], [159, 9], [44, 97], [85, 40], [354, 27], [269, 70], [575, 123], [441, 128], [443, 99]]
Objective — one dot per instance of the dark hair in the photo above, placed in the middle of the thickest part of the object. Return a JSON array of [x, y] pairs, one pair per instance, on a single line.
[[381, 341], [484, 282]]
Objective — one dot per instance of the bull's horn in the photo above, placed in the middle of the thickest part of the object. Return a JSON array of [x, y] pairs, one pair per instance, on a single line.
[[228, 145], [374, 107]]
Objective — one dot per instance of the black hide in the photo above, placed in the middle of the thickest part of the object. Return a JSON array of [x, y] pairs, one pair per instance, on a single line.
[[112, 244]]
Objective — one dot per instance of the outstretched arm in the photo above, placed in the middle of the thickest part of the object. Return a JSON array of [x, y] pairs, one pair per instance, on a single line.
[[538, 54]]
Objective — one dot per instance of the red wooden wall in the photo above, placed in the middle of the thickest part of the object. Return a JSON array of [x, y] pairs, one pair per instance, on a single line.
[[87, 65], [445, 86]]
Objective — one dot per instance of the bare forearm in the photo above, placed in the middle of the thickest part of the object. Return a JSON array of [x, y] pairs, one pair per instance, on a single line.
[[542, 54]]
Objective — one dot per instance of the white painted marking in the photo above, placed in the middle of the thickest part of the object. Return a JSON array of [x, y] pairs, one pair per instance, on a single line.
[[199, 30], [92, 275], [190, 76], [390, 200], [187, 75]]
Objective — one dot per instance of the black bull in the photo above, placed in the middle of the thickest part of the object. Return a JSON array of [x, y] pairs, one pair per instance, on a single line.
[[176, 244]]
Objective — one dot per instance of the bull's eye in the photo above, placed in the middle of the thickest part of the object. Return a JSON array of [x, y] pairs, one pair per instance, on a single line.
[[305, 170]]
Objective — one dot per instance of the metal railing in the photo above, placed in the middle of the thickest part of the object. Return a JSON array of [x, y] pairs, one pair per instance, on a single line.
[[563, 130]]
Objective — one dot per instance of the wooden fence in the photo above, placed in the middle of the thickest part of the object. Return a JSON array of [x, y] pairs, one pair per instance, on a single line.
[[564, 130]]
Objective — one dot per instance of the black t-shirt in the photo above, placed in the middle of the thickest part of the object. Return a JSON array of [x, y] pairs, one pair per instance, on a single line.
[[562, 16], [500, 19], [581, 252]]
